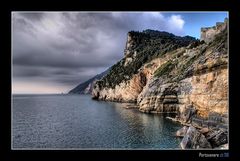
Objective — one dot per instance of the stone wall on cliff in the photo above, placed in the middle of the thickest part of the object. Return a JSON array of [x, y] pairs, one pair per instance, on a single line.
[[208, 33]]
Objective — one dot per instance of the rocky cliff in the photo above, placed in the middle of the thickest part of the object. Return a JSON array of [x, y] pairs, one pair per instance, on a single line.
[[164, 73], [191, 75], [126, 79]]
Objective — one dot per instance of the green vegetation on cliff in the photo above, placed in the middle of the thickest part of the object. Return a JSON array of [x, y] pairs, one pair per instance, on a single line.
[[164, 69], [195, 55], [144, 47]]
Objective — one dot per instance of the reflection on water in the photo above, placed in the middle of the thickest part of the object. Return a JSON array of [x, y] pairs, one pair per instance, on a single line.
[[76, 121]]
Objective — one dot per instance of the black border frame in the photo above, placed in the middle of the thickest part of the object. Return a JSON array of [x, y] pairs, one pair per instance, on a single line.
[[107, 5]]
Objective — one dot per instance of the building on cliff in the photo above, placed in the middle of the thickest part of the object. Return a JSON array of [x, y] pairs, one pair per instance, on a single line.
[[208, 33]]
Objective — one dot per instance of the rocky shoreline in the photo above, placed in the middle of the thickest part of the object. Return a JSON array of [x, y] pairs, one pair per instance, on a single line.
[[202, 133], [198, 133]]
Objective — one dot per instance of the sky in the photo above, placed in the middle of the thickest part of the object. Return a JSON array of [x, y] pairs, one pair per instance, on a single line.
[[52, 52]]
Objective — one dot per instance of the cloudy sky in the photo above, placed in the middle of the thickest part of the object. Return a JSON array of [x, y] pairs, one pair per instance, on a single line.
[[53, 52]]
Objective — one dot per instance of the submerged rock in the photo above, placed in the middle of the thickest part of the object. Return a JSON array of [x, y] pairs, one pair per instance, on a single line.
[[194, 140], [182, 132]]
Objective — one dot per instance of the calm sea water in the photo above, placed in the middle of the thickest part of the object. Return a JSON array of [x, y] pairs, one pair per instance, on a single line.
[[77, 121]]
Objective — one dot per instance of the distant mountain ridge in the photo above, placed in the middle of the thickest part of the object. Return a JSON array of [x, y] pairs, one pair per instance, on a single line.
[[87, 86]]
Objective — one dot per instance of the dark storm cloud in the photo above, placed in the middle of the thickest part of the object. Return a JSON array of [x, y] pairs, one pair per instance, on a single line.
[[60, 61], [58, 75], [71, 47]]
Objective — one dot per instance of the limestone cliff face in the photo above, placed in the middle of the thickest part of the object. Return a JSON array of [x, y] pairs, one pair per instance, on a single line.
[[127, 78], [167, 74], [130, 45], [195, 76], [124, 92], [192, 75], [128, 91], [208, 92]]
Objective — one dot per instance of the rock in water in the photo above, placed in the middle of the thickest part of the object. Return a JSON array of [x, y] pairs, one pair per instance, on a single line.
[[194, 140], [182, 132], [164, 73], [217, 137]]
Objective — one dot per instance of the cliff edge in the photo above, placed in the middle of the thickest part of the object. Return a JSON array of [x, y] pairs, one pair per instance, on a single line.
[[164, 73]]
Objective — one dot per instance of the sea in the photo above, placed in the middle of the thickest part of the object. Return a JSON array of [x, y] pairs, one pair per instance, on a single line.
[[77, 122]]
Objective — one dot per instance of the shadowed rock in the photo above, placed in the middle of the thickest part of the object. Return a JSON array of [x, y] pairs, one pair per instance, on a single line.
[[194, 140], [217, 138]]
